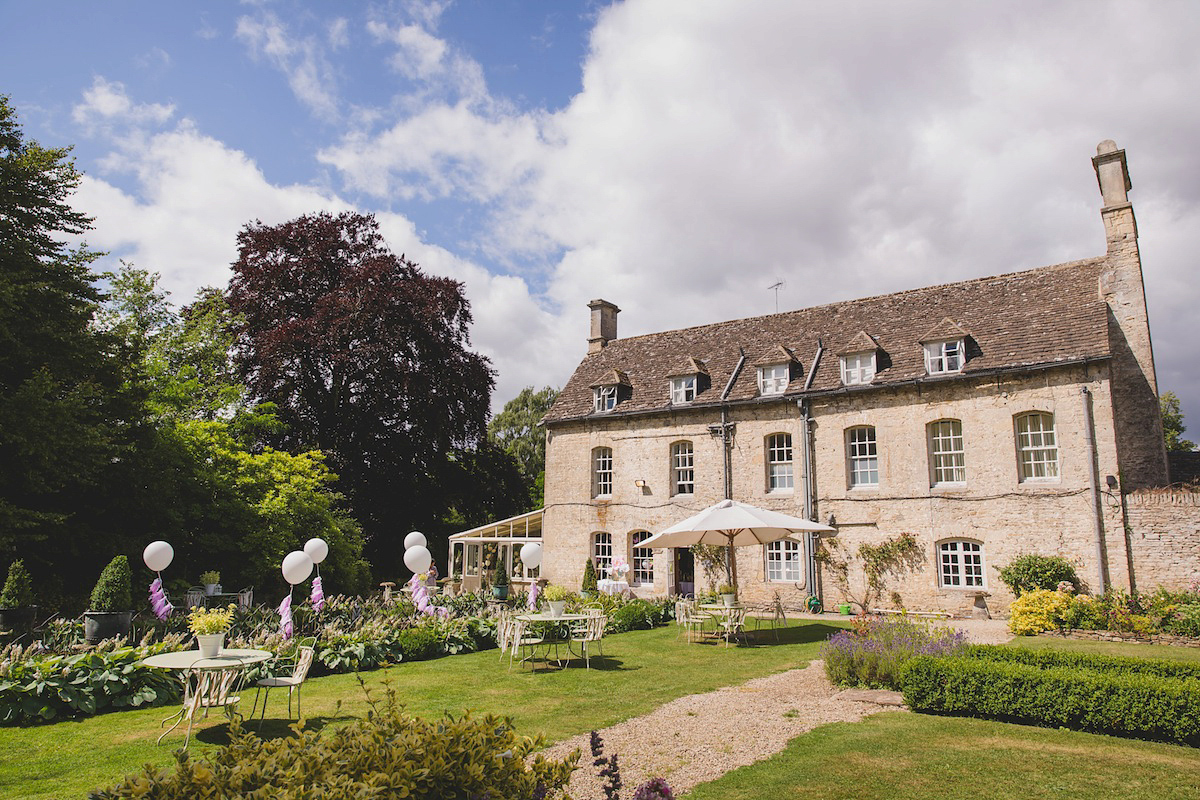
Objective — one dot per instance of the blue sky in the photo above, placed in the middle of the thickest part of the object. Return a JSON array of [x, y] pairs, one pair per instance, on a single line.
[[674, 157]]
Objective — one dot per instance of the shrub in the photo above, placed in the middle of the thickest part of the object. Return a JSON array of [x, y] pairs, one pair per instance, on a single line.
[[113, 591], [18, 588], [1048, 659], [1145, 706], [636, 615], [1085, 613], [500, 575], [418, 644], [874, 653], [589, 577], [386, 754], [1186, 621], [1037, 610], [1034, 571]]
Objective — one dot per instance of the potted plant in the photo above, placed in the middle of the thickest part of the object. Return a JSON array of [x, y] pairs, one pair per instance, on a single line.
[[589, 579], [500, 581], [108, 613], [16, 601], [210, 626], [728, 594], [556, 598], [211, 581]]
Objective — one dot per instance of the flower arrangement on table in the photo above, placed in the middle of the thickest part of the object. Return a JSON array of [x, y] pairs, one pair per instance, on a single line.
[[210, 578], [619, 568], [556, 594], [205, 622]]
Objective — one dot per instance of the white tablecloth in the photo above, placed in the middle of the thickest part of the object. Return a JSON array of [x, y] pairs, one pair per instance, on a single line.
[[612, 587]]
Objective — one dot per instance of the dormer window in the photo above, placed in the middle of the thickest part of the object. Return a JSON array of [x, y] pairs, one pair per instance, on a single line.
[[683, 389], [858, 368], [773, 378], [944, 357], [605, 398]]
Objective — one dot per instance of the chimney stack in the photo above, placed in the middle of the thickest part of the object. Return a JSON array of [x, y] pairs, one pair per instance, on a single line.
[[1112, 172], [604, 324]]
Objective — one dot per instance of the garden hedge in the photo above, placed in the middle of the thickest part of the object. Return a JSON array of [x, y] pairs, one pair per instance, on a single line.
[[1049, 659], [1140, 705]]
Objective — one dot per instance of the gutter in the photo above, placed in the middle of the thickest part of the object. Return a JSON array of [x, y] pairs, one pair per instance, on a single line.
[[1094, 485], [810, 560]]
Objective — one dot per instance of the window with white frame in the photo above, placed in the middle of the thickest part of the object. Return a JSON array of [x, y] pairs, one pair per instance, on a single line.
[[683, 389], [947, 458], [944, 357], [602, 551], [472, 559], [784, 561], [863, 457], [683, 470], [858, 368], [602, 471], [774, 379], [643, 560], [1037, 446], [960, 564], [604, 398], [779, 462]]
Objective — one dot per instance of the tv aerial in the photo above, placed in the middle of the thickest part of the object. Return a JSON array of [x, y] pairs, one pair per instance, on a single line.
[[776, 286]]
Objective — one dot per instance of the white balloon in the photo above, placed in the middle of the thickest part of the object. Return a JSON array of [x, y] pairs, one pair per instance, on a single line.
[[415, 539], [297, 566], [531, 554], [418, 558], [316, 549], [158, 555]]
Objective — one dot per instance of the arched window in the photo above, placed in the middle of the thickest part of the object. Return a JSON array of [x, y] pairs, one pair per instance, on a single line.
[[602, 551], [947, 458], [602, 472], [779, 462], [683, 472], [643, 560], [960, 564], [862, 457], [1037, 446]]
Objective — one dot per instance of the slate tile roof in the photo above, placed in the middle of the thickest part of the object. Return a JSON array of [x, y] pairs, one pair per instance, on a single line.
[[1017, 321]]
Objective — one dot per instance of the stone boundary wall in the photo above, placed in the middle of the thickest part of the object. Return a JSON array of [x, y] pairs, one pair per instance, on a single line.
[[1164, 537], [1127, 638]]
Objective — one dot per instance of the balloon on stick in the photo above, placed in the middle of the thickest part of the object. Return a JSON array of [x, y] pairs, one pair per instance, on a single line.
[[158, 556], [316, 549], [418, 558], [415, 539], [531, 554], [297, 566]]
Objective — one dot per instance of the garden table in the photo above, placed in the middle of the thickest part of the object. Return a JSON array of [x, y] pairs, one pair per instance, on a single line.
[[721, 610], [609, 586], [549, 620], [189, 664]]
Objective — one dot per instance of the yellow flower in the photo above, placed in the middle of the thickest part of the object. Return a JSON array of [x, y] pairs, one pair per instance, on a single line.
[[205, 621]]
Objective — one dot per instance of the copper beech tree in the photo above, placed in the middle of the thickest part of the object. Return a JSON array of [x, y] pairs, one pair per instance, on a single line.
[[367, 359]]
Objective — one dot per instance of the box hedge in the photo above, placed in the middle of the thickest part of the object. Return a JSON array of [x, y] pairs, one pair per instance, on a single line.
[[1049, 659], [1129, 704]]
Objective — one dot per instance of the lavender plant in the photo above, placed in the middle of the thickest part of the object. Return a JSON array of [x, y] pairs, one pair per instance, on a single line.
[[875, 651]]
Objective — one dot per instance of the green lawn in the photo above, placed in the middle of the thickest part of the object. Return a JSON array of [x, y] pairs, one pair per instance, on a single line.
[[639, 672], [919, 757], [1109, 648]]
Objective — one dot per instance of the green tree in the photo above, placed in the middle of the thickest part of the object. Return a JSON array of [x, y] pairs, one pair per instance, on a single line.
[[515, 430], [69, 415], [1172, 422]]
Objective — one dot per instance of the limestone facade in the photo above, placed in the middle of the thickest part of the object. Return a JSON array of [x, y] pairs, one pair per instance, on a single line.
[[1069, 343]]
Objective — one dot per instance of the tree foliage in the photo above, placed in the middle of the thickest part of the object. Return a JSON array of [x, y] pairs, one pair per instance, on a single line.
[[515, 430], [1172, 422], [367, 359], [891, 558]]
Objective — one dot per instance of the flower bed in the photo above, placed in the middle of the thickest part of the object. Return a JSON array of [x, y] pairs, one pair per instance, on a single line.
[[1174, 616], [874, 653]]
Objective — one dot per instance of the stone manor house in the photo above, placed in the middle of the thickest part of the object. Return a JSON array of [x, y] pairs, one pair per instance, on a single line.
[[989, 418]]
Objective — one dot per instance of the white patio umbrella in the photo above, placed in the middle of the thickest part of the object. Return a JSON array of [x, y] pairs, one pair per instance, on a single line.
[[732, 524]]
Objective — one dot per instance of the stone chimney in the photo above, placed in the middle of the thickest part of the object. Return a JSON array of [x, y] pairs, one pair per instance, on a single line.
[[604, 324], [1112, 172]]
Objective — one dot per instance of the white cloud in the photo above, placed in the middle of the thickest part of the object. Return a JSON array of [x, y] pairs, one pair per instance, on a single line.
[[106, 104], [309, 74]]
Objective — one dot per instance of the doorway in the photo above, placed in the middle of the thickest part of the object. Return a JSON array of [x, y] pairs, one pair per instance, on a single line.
[[685, 572]]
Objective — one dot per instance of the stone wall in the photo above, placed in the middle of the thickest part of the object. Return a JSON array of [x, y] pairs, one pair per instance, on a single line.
[[1164, 537], [1126, 638]]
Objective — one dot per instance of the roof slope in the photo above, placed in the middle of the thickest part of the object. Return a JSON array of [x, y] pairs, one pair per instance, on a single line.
[[1023, 319]]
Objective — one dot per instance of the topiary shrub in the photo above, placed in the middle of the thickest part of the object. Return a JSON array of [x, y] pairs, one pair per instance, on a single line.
[[113, 591], [418, 643], [1034, 571], [388, 754], [18, 589], [589, 577], [1036, 611]]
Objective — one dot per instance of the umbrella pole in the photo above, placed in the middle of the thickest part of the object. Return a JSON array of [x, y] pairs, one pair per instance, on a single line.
[[731, 565]]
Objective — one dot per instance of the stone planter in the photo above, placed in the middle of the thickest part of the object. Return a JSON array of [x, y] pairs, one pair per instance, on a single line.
[[99, 625], [556, 607], [500, 592], [210, 644]]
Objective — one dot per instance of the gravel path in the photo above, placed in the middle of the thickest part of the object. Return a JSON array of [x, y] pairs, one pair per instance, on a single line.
[[700, 737]]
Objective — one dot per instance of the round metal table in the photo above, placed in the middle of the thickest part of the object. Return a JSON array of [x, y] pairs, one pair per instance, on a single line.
[[189, 664]]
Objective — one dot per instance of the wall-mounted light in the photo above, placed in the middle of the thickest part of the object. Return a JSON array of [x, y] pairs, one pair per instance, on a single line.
[[639, 483], [1111, 480], [832, 521]]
